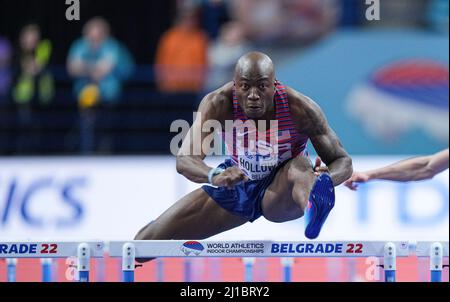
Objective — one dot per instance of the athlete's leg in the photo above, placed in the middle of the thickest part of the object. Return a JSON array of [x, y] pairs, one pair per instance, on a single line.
[[287, 196], [194, 217]]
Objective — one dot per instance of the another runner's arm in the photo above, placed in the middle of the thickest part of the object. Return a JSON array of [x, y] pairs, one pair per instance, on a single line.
[[190, 162], [311, 121], [414, 169]]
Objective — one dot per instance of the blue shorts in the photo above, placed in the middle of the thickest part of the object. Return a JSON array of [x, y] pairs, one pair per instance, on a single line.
[[246, 199]]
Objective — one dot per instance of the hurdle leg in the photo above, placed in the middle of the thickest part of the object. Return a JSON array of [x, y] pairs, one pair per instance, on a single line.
[[287, 264], [46, 265], [11, 267], [128, 260], [100, 270], [436, 261], [159, 270], [83, 265], [249, 264], [390, 262], [187, 270]]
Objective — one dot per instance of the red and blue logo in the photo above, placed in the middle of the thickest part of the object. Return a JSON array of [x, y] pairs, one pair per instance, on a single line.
[[404, 96], [418, 81], [192, 247]]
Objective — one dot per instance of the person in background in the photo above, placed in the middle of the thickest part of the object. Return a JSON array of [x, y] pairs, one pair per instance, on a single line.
[[215, 13], [286, 21], [33, 85], [5, 85], [100, 64], [224, 53], [181, 59], [261, 19], [98, 61], [5, 67], [34, 80]]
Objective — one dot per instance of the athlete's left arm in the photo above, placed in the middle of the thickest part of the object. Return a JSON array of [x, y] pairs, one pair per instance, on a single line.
[[311, 121]]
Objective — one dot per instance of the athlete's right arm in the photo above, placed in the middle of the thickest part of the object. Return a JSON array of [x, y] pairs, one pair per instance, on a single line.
[[190, 159], [414, 169]]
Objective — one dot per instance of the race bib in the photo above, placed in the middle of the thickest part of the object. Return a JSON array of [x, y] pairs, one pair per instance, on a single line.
[[257, 166], [259, 163]]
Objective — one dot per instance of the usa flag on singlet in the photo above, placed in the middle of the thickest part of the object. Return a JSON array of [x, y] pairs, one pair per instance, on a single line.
[[258, 152]]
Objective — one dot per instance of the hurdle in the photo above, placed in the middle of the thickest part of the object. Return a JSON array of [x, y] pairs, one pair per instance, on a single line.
[[249, 264], [128, 251], [248, 251], [46, 251], [435, 251], [287, 264], [11, 268], [46, 264]]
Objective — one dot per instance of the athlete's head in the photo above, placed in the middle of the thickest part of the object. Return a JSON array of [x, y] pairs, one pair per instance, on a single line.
[[255, 84]]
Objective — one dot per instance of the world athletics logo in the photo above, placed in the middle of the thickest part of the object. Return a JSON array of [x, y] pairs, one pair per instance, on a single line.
[[192, 247]]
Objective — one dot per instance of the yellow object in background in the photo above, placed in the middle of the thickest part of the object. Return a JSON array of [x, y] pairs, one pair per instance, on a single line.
[[43, 52], [24, 90], [89, 96]]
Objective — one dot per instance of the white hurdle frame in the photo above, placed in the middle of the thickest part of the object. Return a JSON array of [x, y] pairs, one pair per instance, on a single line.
[[177, 249], [128, 251], [436, 251], [47, 251]]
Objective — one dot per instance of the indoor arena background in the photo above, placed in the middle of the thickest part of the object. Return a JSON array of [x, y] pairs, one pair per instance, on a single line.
[[74, 170]]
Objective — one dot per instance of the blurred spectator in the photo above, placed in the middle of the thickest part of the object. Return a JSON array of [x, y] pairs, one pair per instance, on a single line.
[[224, 53], [181, 59], [214, 15], [100, 65], [5, 84], [34, 81], [100, 60], [33, 85], [5, 67], [309, 20], [292, 21], [262, 19]]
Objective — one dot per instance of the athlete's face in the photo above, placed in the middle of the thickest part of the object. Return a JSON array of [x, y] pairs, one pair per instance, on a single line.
[[255, 91]]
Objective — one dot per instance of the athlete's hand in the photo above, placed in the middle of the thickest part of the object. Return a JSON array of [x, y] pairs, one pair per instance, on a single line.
[[319, 169], [229, 178], [357, 177]]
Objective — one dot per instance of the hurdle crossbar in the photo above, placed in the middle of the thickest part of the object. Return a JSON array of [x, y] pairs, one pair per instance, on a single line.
[[83, 251], [249, 250], [264, 249], [48, 249], [129, 251]]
